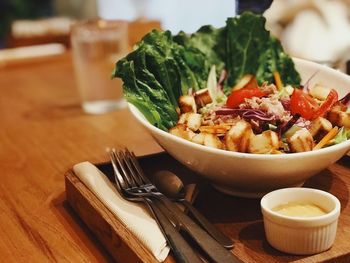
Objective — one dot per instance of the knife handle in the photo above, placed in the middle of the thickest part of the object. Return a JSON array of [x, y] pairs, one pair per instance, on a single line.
[[209, 227], [210, 246], [183, 253]]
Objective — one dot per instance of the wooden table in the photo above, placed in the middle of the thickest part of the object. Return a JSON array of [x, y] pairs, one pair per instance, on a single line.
[[43, 133]]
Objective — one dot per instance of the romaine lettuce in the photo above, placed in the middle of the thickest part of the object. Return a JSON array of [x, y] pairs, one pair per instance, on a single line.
[[163, 67]]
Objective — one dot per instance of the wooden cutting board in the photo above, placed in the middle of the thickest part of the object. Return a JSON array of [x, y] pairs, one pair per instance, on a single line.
[[239, 218]]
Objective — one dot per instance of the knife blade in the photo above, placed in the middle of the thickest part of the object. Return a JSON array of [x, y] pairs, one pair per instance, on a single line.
[[215, 251], [209, 227], [183, 252]]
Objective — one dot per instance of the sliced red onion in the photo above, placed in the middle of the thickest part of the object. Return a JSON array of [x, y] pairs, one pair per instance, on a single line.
[[246, 113], [305, 87], [287, 125], [222, 78], [345, 100]]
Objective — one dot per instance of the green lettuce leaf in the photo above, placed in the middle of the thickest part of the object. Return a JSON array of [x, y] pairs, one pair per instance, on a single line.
[[162, 67], [157, 73], [251, 50], [208, 41], [342, 136]]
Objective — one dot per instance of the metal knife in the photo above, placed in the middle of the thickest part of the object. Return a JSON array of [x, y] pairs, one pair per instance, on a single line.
[[183, 252], [215, 251]]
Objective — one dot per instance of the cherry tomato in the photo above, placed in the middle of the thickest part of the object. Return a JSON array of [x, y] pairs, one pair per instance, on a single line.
[[237, 96], [303, 104], [327, 104]]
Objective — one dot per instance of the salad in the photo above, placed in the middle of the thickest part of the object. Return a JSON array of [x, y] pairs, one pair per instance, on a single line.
[[232, 88], [265, 119]]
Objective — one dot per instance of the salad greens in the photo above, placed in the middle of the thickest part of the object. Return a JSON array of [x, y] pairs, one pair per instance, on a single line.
[[255, 52], [163, 67], [342, 136]]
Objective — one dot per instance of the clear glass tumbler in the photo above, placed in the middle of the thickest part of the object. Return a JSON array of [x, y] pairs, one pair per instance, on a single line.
[[97, 45]]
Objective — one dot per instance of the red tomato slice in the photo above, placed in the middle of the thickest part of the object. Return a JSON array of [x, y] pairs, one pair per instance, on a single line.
[[237, 96], [303, 104], [327, 104]]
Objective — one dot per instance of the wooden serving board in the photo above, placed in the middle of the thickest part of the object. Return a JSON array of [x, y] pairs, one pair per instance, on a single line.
[[239, 218]]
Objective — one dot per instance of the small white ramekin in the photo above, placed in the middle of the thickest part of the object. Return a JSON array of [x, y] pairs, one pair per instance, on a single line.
[[300, 235]]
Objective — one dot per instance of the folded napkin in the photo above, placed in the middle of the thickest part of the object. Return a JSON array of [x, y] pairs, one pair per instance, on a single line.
[[135, 216]]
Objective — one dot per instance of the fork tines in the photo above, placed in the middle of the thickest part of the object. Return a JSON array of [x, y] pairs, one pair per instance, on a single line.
[[128, 174]]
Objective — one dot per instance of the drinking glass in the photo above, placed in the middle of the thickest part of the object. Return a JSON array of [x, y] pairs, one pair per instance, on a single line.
[[97, 45]]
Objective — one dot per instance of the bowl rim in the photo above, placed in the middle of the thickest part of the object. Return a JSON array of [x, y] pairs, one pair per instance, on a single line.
[[298, 220], [319, 152]]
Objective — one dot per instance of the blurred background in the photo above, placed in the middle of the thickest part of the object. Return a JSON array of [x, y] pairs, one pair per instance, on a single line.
[[20, 19], [317, 30]]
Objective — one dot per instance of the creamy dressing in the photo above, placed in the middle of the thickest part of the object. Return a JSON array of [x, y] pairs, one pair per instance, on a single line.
[[299, 210]]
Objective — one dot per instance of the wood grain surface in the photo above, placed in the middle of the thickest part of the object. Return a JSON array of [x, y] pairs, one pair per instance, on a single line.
[[43, 133]]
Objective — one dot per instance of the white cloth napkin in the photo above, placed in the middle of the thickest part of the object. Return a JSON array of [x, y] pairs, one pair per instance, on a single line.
[[134, 216]]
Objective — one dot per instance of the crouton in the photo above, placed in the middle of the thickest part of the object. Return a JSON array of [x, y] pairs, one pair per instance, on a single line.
[[180, 130], [265, 142], [192, 120], [320, 125], [339, 117], [237, 138], [198, 138], [213, 141], [187, 104], [301, 141], [202, 98]]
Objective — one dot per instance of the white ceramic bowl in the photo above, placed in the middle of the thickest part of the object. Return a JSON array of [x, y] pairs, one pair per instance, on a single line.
[[300, 235], [253, 175]]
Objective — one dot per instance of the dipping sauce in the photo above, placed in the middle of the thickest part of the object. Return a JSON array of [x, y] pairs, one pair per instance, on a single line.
[[299, 210]]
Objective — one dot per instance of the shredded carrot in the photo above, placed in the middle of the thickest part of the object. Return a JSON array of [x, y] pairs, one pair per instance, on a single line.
[[215, 128], [329, 136], [278, 80]]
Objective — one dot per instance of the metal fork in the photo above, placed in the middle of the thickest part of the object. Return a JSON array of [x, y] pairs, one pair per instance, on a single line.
[[142, 187], [181, 249]]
